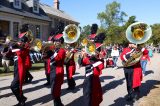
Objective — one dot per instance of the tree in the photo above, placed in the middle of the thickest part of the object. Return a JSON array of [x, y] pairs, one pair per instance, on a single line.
[[155, 34], [112, 15]]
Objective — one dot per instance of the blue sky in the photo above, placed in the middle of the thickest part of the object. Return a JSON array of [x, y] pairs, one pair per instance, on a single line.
[[85, 11]]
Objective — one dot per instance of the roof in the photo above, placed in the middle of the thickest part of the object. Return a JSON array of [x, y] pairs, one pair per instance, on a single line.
[[44, 10], [7, 6], [55, 12]]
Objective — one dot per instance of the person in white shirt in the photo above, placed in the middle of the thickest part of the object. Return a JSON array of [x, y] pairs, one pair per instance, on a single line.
[[115, 54]]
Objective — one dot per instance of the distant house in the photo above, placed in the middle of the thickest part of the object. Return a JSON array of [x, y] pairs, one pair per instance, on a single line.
[[42, 19]]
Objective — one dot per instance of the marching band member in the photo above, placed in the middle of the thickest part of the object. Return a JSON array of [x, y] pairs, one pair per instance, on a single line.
[[71, 68], [19, 70], [94, 29], [57, 66], [47, 63], [92, 90], [133, 74], [28, 64]]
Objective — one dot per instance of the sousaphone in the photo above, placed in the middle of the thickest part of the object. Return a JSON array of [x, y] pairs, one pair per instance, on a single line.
[[71, 35], [137, 33]]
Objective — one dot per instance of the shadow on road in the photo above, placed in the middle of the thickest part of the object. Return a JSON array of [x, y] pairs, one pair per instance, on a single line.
[[77, 102], [112, 85], [4, 88], [121, 101], [103, 78], [147, 86], [149, 72], [48, 97], [25, 90], [145, 89]]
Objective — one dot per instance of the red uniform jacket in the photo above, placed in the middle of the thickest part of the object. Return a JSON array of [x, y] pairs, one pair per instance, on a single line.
[[96, 90], [21, 66], [137, 70], [71, 66], [28, 63], [59, 65]]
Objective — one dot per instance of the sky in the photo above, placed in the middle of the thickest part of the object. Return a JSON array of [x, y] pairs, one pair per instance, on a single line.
[[85, 11]]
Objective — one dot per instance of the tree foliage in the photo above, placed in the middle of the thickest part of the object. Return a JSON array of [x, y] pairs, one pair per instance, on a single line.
[[114, 25], [112, 15]]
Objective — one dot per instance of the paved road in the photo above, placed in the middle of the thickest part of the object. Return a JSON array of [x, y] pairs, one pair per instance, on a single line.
[[112, 81]]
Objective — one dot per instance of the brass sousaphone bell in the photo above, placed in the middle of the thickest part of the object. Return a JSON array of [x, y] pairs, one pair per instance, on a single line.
[[137, 33], [71, 33]]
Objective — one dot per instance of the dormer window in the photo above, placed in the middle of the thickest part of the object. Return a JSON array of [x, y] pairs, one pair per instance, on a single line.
[[36, 6], [17, 4]]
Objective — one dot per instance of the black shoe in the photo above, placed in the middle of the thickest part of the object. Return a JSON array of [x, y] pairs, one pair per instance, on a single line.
[[24, 99], [129, 98], [71, 88], [57, 102], [30, 80], [20, 104]]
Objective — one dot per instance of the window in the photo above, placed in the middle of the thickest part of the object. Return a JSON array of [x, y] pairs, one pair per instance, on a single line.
[[36, 6], [15, 29], [37, 31], [17, 4]]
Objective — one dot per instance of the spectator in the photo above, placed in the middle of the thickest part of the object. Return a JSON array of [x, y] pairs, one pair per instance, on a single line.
[[144, 59], [115, 54], [6, 55]]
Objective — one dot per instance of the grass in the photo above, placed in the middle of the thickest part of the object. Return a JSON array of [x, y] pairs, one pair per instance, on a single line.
[[35, 67]]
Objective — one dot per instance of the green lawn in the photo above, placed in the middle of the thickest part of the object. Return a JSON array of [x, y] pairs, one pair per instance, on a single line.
[[35, 67]]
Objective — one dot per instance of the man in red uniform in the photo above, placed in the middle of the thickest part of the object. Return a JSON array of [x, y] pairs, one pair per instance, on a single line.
[[57, 57], [25, 32], [92, 90], [94, 29], [133, 74], [19, 70], [70, 68]]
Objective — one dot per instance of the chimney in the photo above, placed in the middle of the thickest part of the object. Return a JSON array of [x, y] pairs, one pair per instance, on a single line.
[[56, 4]]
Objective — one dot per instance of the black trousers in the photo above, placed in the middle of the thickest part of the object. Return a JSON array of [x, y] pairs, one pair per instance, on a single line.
[[15, 86], [128, 72], [28, 76], [48, 78], [70, 81]]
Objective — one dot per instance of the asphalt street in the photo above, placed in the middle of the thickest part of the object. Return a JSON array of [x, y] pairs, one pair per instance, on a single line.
[[112, 82]]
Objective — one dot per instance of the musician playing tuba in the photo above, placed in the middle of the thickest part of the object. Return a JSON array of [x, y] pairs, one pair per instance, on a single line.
[[57, 56], [70, 65], [94, 64], [71, 35], [136, 33]]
